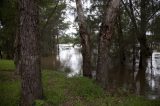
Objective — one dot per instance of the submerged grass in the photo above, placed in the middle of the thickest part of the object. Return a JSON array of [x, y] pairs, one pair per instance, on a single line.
[[62, 91]]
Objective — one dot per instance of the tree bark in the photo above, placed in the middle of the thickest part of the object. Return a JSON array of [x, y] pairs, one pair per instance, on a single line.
[[1, 55], [17, 52], [106, 32], [17, 44], [144, 49], [121, 41], [85, 40], [30, 56]]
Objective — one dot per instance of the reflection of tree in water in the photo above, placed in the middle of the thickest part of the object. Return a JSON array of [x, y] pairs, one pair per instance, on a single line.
[[153, 76], [122, 80], [64, 59], [71, 60], [142, 82]]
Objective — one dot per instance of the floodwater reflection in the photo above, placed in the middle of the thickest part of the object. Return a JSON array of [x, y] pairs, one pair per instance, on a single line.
[[71, 58], [153, 76], [144, 82]]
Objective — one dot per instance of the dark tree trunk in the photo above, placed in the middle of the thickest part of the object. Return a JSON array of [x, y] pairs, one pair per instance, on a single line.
[[140, 79], [134, 58], [86, 53], [17, 43], [1, 54], [134, 50], [17, 52], [103, 58], [143, 55], [30, 54], [121, 42], [144, 49], [55, 51], [57, 47], [106, 32], [85, 40]]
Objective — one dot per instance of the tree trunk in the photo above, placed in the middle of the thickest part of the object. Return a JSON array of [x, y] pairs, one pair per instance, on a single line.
[[144, 49], [17, 42], [105, 36], [134, 57], [30, 53], [1, 55], [143, 55], [55, 51], [141, 30], [121, 42], [85, 40], [17, 52]]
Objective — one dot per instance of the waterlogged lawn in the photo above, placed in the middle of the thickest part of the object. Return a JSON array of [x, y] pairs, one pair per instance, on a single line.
[[62, 91]]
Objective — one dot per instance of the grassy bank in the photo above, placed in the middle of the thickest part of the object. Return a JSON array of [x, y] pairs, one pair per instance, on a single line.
[[62, 91]]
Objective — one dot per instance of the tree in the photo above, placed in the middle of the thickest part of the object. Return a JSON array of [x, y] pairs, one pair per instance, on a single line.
[[30, 56], [120, 40], [85, 40], [105, 35], [51, 24], [140, 20], [17, 44], [141, 14]]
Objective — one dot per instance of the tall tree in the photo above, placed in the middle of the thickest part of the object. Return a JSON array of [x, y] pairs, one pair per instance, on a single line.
[[141, 14], [85, 40], [141, 22], [142, 36], [106, 32], [120, 40], [30, 55]]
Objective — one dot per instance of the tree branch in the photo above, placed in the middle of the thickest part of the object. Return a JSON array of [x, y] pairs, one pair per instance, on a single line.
[[50, 16]]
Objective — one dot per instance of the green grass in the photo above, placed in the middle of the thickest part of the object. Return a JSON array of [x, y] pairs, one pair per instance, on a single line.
[[7, 65], [9, 93], [62, 91], [9, 84]]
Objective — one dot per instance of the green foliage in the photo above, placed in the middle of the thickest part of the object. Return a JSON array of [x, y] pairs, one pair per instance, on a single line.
[[7, 65], [39, 103], [9, 84], [60, 90], [51, 24], [137, 101], [85, 87], [9, 93], [68, 39], [54, 87]]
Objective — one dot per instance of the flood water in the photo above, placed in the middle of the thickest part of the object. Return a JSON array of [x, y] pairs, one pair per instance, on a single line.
[[71, 57], [153, 76], [147, 84]]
